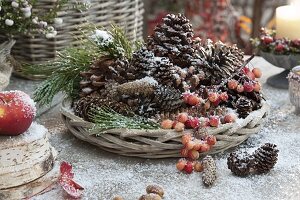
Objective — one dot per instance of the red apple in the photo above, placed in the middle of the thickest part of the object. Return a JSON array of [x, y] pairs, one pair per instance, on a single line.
[[17, 111]]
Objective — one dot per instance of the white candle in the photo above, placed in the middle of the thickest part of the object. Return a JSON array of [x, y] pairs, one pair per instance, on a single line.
[[288, 21]]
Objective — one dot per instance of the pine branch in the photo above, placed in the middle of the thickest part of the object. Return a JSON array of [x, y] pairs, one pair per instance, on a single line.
[[106, 118], [66, 75]]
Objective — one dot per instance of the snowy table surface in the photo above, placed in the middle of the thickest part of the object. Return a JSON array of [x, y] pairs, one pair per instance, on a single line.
[[104, 175]]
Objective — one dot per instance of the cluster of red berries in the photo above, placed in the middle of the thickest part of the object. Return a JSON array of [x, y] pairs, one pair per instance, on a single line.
[[191, 150], [246, 85], [268, 42], [214, 98], [189, 166]]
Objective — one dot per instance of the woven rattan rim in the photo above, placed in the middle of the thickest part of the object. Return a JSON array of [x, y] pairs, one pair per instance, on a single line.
[[160, 143]]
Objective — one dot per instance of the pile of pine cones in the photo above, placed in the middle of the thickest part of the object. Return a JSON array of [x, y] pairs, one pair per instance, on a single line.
[[170, 63]]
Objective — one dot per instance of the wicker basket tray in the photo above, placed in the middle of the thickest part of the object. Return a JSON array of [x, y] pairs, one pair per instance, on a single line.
[[160, 143], [35, 49]]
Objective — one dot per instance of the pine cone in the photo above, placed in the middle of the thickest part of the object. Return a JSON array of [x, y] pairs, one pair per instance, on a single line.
[[265, 158], [240, 165], [85, 105], [244, 106], [219, 61], [173, 39], [209, 175]]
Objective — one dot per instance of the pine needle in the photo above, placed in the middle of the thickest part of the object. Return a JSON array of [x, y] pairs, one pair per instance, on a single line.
[[106, 118]]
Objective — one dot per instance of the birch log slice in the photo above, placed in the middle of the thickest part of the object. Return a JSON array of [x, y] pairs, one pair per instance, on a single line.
[[26, 157]]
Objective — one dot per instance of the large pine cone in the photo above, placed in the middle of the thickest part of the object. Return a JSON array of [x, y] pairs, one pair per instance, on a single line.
[[239, 165], [265, 158], [85, 105], [209, 175], [219, 61], [173, 39], [244, 106]]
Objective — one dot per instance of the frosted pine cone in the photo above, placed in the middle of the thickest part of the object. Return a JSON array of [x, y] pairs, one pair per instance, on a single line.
[[244, 106], [173, 39], [240, 165], [209, 175], [265, 158]]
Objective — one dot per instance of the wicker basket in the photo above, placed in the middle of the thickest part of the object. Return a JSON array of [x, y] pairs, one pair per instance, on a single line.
[[37, 49], [294, 87], [160, 143]]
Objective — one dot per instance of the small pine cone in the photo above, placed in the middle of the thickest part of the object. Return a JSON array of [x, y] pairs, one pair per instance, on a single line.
[[144, 62], [84, 106], [150, 196], [173, 39], [209, 175], [144, 86], [240, 165], [122, 71], [265, 158], [244, 106]]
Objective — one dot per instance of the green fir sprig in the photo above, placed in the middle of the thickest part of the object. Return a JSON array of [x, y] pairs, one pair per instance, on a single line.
[[66, 75], [106, 118]]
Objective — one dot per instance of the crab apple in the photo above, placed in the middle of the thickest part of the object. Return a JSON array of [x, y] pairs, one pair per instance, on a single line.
[[190, 145], [229, 118], [198, 167], [267, 39], [184, 152], [193, 154], [181, 164], [207, 105], [214, 121], [232, 84], [211, 140], [186, 138], [257, 87], [192, 122], [251, 75], [224, 96], [182, 117], [186, 97], [248, 87], [193, 100], [240, 88], [204, 147], [166, 124], [279, 47], [257, 72], [17, 111], [245, 70], [179, 127], [216, 103], [212, 96], [188, 167]]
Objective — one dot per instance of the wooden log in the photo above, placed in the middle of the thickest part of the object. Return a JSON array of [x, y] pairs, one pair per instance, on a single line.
[[32, 188], [26, 157]]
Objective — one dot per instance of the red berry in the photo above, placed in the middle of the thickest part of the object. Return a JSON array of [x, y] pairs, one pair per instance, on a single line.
[[204, 148], [248, 87], [257, 87], [166, 124], [181, 164], [182, 117], [232, 84], [186, 138], [193, 154], [186, 97], [246, 70], [251, 75], [179, 127], [212, 96], [216, 103], [279, 48], [211, 140], [190, 145], [257, 72], [193, 100], [214, 121], [197, 145], [207, 105], [188, 167], [184, 152], [240, 88], [224, 96], [198, 167], [229, 118], [267, 39]]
